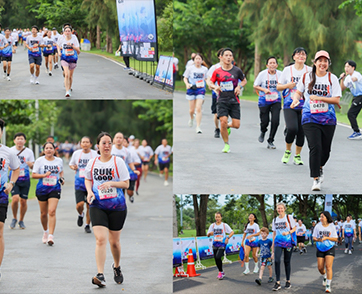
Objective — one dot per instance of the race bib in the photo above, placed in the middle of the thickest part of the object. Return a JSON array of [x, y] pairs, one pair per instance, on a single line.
[[22, 172], [271, 97], [164, 158], [318, 107], [35, 49], [200, 84], [218, 238], [107, 193], [69, 52], [82, 173], [227, 86], [50, 181]]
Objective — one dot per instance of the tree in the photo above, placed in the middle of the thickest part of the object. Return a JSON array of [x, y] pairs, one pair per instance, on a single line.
[[200, 213]]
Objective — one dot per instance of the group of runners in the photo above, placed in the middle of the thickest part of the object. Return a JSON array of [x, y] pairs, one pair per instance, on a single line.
[[287, 233], [42, 42], [309, 96], [102, 179]]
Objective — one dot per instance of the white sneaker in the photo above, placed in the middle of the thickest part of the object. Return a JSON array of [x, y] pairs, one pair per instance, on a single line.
[[160, 175], [165, 183], [324, 281], [4, 75], [50, 73], [36, 81], [349, 252], [198, 130], [328, 288], [256, 270], [321, 176], [67, 94], [8, 78], [247, 271], [316, 185], [346, 251], [191, 122], [31, 79]]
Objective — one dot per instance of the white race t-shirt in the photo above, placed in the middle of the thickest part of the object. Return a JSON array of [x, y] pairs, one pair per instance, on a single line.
[[25, 156], [301, 229], [354, 87], [73, 40], [122, 153], [196, 76], [288, 71]]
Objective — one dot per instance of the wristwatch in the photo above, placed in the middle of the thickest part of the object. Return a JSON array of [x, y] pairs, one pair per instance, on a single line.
[[13, 183]]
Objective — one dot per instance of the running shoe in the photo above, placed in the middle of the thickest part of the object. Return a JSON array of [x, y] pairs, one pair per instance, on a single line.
[[219, 276], [165, 183], [321, 175], [67, 94], [349, 252], [118, 277], [223, 274], [305, 250], [297, 160], [50, 73], [258, 281], [261, 137], [36, 81], [247, 271], [217, 133], [355, 136], [4, 75], [277, 287], [80, 220], [87, 229], [226, 148], [271, 280], [229, 131], [301, 252], [271, 145], [324, 281], [22, 225], [8, 78], [328, 288], [99, 280], [198, 130], [256, 269], [316, 185], [56, 66], [31, 79], [286, 156], [47, 70], [50, 240], [287, 285], [191, 122], [131, 198], [13, 224], [45, 238], [136, 192], [346, 251]]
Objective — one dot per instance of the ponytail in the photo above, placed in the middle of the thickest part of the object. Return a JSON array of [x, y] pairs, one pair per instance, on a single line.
[[313, 78]]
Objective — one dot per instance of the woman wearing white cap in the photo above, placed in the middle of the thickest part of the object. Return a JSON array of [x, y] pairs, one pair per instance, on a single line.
[[321, 91]]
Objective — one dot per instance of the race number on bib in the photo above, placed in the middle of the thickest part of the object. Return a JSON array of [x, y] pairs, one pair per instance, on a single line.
[[22, 172], [50, 181], [200, 84], [271, 97], [164, 158], [81, 172], [218, 238], [107, 193], [69, 52], [35, 49], [318, 107], [227, 86]]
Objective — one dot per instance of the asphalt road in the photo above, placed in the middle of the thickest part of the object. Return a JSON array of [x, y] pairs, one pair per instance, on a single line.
[[305, 277], [68, 266], [94, 77], [201, 168]]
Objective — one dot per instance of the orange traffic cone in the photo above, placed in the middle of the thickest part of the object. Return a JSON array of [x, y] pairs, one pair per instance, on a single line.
[[191, 265], [179, 272]]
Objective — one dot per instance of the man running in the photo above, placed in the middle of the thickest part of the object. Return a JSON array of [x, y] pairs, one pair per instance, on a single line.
[[55, 36], [162, 158], [7, 54], [21, 189], [34, 42], [3, 43], [228, 90], [148, 154]]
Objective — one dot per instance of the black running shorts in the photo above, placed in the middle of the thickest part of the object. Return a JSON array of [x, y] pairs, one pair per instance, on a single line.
[[162, 166], [34, 59], [300, 239], [131, 185], [226, 109], [213, 105], [21, 189], [80, 196], [7, 59], [111, 219], [330, 252], [53, 194], [3, 212]]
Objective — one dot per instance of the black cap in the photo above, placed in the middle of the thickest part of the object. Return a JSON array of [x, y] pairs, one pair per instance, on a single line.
[[54, 28], [299, 49]]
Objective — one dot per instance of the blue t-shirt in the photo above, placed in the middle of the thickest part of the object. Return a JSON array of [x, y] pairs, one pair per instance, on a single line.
[[320, 231], [196, 77], [280, 226], [50, 183], [265, 246], [354, 87], [7, 160]]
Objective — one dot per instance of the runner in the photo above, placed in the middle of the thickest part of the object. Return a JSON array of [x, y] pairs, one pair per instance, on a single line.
[[68, 50], [162, 159], [7, 161], [20, 33], [15, 37], [3, 44], [48, 52], [292, 116], [138, 163], [360, 229], [321, 91], [251, 231], [7, 54], [49, 170], [284, 239], [269, 100], [105, 177], [311, 232], [148, 154], [301, 233], [175, 69], [194, 79], [67, 149], [22, 185], [352, 80], [55, 37], [325, 236], [134, 172], [266, 256], [34, 42], [125, 58], [214, 95], [78, 162], [348, 233], [219, 231], [338, 230], [191, 61], [228, 90]]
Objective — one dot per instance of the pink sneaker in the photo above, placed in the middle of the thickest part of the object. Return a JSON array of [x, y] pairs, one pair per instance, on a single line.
[[223, 274], [220, 276], [45, 237], [50, 240]]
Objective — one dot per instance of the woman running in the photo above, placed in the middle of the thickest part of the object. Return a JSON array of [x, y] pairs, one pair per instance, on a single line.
[[269, 100], [7, 54], [219, 231], [194, 79], [326, 237], [284, 239], [48, 52], [105, 177], [348, 232], [68, 49], [292, 116], [251, 232], [321, 91], [49, 170], [148, 154]]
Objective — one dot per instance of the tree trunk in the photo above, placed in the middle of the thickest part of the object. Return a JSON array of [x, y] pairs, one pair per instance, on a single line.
[[200, 214], [98, 42], [174, 220], [286, 58], [261, 200], [257, 65], [109, 44]]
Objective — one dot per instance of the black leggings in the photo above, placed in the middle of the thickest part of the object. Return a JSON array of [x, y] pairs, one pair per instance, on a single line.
[[354, 111], [274, 110], [319, 139], [126, 60], [287, 257], [293, 121], [218, 254]]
